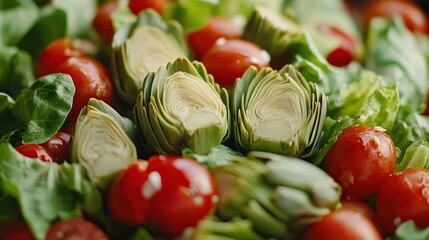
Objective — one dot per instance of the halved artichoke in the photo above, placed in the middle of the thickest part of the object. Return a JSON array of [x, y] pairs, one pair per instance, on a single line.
[[101, 144], [180, 106], [143, 47], [271, 30], [277, 111]]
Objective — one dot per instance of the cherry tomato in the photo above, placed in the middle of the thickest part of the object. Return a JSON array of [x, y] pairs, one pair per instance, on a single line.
[[404, 196], [130, 194], [342, 224], [15, 230], [186, 194], [102, 22], [342, 55], [200, 41], [361, 159], [136, 6], [58, 147], [34, 151], [426, 112], [75, 228], [91, 81], [413, 16], [227, 59]]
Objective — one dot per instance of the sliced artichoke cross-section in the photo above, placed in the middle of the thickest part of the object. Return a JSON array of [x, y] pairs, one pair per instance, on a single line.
[[101, 144], [271, 30], [143, 47], [180, 106], [277, 111]]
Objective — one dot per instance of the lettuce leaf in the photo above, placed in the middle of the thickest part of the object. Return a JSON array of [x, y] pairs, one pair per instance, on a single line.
[[44, 191], [409, 231], [416, 155]]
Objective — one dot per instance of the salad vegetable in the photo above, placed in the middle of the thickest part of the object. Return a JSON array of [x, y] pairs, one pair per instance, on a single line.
[[214, 119]]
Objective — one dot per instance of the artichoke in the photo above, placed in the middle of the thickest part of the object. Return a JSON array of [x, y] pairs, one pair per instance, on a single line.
[[180, 106], [281, 195], [101, 144], [142, 47], [271, 30], [277, 111]]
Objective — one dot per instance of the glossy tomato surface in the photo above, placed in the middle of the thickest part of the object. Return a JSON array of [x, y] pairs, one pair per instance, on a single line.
[[186, 194], [130, 194], [361, 159], [228, 59], [58, 147], [73, 229], [404, 196], [201, 40], [34, 151], [136, 6], [413, 16], [91, 81], [15, 230], [102, 21], [342, 224]]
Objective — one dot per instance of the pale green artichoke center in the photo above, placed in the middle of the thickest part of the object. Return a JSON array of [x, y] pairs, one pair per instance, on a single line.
[[193, 103]]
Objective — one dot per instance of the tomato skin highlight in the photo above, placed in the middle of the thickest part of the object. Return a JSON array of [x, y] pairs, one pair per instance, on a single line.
[[360, 160], [404, 196], [201, 40], [75, 228], [342, 224], [188, 193], [91, 81], [58, 147], [34, 151], [136, 6], [127, 203], [413, 16], [15, 230], [227, 60], [102, 21]]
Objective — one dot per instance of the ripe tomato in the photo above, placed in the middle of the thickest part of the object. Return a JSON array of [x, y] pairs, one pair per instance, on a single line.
[[360, 160], [201, 40], [129, 195], [75, 228], [342, 224], [227, 60], [15, 230], [404, 196], [34, 151], [186, 194], [91, 81], [413, 16], [58, 147], [138, 5], [102, 21]]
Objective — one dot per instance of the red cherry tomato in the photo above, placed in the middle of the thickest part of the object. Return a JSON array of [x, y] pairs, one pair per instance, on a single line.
[[15, 230], [360, 160], [34, 151], [227, 59], [91, 81], [413, 16], [187, 193], [404, 196], [200, 41], [75, 228], [129, 195], [136, 6], [342, 224], [342, 55], [58, 147], [102, 22]]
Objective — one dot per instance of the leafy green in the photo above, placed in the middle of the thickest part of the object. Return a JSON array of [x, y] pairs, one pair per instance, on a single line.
[[409, 231], [45, 191], [218, 156], [394, 53], [12, 26], [44, 106], [416, 155], [245, 8], [6, 118]]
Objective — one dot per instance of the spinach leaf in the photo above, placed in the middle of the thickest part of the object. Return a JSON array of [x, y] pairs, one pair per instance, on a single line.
[[17, 17], [44, 106], [7, 122], [45, 191]]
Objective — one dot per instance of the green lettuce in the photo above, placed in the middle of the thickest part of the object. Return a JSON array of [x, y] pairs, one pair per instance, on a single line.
[[409, 231], [416, 155]]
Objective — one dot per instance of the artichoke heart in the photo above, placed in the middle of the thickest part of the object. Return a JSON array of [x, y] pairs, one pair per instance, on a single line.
[[277, 111], [180, 107], [271, 30], [101, 146]]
